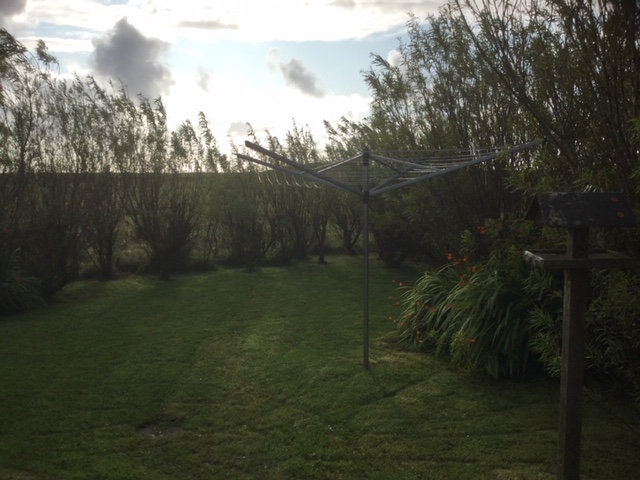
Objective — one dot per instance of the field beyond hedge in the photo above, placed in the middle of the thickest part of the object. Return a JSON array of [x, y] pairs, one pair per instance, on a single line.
[[237, 375]]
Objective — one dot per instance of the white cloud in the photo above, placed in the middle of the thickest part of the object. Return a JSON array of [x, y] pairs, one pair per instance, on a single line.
[[125, 54], [241, 20], [394, 57], [9, 8], [296, 74], [203, 77], [230, 104], [207, 25], [79, 14]]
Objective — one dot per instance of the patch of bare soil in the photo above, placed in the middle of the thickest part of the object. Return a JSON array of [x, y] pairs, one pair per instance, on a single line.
[[159, 430]]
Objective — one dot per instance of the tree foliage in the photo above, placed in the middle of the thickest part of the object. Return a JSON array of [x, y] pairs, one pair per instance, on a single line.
[[574, 67], [483, 71]]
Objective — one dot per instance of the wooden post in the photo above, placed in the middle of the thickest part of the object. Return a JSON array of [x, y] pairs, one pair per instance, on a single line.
[[577, 212], [575, 305]]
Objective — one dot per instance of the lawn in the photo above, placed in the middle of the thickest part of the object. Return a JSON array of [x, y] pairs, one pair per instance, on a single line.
[[238, 375]]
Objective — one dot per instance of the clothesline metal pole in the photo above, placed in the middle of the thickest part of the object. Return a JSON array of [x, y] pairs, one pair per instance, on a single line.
[[365, 256]]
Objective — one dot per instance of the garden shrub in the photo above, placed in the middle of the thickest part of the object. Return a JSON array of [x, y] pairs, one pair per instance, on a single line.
[[243, 224], [500, 314], [19, 291], [346, 216], [612, 330], [613, 327], [392, 230], [50, 248], [477, 311]]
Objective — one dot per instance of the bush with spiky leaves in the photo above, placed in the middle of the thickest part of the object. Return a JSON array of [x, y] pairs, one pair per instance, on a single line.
[[477, 311]]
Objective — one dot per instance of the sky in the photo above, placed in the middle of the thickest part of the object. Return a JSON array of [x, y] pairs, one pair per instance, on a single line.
[[263, 62]]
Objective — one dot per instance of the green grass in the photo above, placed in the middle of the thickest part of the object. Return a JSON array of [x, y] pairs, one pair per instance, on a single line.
[[259, 375]]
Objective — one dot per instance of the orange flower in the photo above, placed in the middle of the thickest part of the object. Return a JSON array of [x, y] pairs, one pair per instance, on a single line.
[[450, 256]]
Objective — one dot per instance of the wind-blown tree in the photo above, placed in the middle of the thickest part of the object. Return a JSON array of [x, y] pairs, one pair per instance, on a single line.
[[17, 94], [102, 192], [15, 75], [346, 140], [244, 228], [301, 146], [198, 144], [66, 149], [575, 67], [438, 96], [197, 148], [20, 79], [306, 214], [442, 96], [294, 212], [83, 186], [31, 164], [13, 60], [74, 155], [161, 201], [320, 215], [54, 144], [286, 205]]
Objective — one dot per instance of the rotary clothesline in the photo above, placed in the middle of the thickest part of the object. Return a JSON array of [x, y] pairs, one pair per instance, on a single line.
[[348, 171], [384, 173], [377, 175]]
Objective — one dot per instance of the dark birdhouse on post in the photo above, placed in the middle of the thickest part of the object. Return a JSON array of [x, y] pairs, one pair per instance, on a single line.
[[576, 212]]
